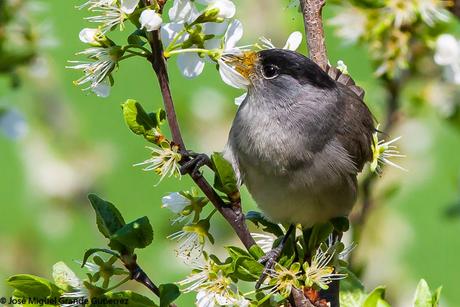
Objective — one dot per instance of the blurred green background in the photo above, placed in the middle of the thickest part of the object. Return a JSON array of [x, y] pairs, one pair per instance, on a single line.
[[78, 143]]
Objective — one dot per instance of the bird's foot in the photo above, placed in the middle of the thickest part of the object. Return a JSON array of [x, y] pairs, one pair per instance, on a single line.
[[269, 261], [194, 163]]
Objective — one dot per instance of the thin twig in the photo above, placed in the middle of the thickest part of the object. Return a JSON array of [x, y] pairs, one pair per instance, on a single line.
[[233, 214], [313, 22], [138, 274], [297, 299]]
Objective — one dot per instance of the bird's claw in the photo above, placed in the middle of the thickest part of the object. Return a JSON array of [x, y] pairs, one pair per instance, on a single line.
[[269, 260], [194, 163]]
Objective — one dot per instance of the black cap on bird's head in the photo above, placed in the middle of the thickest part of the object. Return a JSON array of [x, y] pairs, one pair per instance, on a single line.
[[271, 63]]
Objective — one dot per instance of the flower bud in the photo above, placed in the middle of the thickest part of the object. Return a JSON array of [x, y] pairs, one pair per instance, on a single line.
[[226, 8], [89, 36], [150, 20]]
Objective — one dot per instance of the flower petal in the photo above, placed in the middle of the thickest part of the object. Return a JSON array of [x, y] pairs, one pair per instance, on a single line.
[[190, 64], [170, 30], [183, 11], [102, 89], [88, 35], [293, 41], [226, 8], [239, 100], [150, 20], [447, 50], [231, 76], [233, 35], [128, 6]]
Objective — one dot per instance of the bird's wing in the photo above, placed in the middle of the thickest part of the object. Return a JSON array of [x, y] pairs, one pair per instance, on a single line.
[[356, 128]]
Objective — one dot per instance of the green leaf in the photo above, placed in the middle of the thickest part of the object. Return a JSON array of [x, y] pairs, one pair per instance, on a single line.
[[320, 233], [423, 296], [352, 298], [256, 251], [135, 38], [168, 294], [247, 269], [225, 179], [123, 298], [91, 251], [352, 282], [376, 298], [158, 118], [34, 286], [109, 220], [257, 218], [236, 252], [136, 118], [137, 234], [436, 297]]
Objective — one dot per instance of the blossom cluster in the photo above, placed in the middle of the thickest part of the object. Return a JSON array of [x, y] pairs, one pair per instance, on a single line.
[[197, 32]]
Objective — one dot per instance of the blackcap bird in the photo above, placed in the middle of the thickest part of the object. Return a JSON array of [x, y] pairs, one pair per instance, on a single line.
[[299, 139]]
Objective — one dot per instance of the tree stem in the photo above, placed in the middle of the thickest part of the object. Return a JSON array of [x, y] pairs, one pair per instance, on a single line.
[[233, 214], [313, 22]]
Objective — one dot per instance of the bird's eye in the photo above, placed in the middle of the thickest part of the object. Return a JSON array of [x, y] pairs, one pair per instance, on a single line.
[[270, 71]]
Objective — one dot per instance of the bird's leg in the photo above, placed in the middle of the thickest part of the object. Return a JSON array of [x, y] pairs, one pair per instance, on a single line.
[[193, 162], [272, 256]]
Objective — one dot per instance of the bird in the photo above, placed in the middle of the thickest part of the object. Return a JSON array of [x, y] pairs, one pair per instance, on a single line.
[[299, 138]]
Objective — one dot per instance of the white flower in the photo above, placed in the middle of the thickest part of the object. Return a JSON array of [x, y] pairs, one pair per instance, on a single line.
[[226, 8], [128, 6], [72, 298], [403, 12], [319, 272], [92, 4], [214, 289], [175, 202], [150, 20], [265, 241], [282, 279], [95, 72], [183, 11], [448, 54], [293, 42], [191, 245], [164, 162], [191, 65], [102, 89], [432, 11], [89, 36], [447, 50], [201, 275], [382, 152], [90, 266], [350, 23], [112, 14], [64, 277]]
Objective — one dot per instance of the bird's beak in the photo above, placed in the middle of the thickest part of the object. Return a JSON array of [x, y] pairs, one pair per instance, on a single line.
[[243, 63]]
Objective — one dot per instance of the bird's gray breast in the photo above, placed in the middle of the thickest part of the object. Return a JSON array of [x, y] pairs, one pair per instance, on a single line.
[[287, 156]]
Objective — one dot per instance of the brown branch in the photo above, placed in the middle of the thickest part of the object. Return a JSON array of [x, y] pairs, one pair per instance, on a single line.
[[455, 8], [298, 299], [137, 274], [233, 214], [313, 22]]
